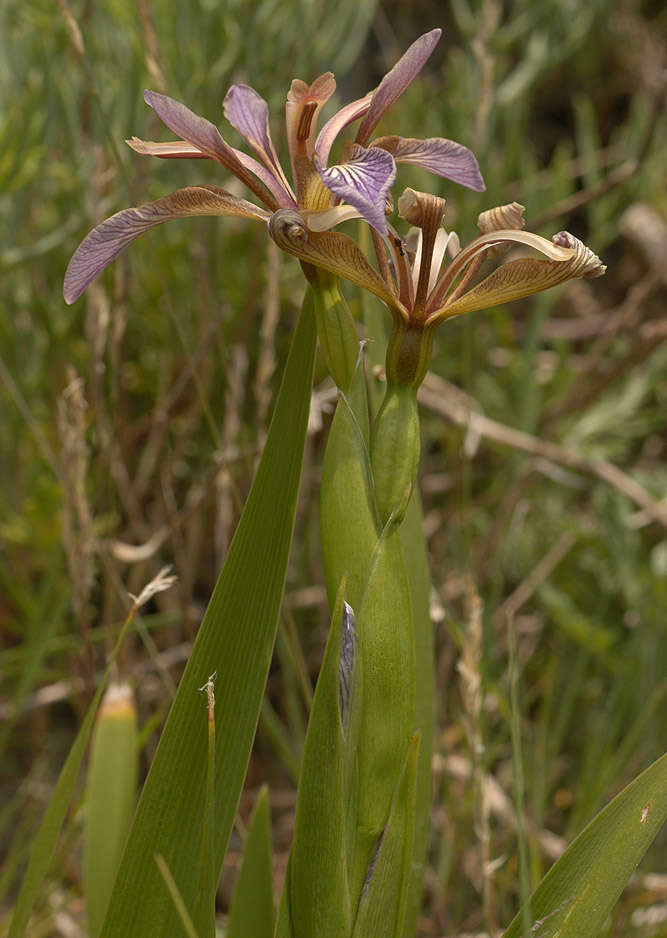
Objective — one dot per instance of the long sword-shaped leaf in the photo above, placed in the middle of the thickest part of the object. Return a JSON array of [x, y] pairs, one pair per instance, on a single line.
[[235, 640], [580, 889]]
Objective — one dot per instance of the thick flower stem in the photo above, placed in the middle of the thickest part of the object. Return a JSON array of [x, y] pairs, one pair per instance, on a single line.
[[336, 329]]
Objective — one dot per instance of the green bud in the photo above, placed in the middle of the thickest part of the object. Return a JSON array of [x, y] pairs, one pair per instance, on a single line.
[[408, 353], [395, 451]]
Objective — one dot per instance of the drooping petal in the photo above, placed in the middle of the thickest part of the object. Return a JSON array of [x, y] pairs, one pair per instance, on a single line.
[[206, 137], [248, 113], [304, 103], [105, 242], [396, 81], [442, 157], [527, 275], [347, 114], [332, 251], [363, 181]]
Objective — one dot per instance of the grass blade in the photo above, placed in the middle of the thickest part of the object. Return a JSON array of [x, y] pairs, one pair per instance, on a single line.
[[252, 904], [580, 889]]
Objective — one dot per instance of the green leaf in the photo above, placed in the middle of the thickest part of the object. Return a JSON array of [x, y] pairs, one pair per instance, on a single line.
[[415, 557], [383, 903], [316, 891], [579, 891], [236, 640], [386, 641], [52, 821], [252, 903], [348, 523]]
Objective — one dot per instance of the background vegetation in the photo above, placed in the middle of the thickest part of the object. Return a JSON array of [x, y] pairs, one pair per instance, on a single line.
[[131, 422]]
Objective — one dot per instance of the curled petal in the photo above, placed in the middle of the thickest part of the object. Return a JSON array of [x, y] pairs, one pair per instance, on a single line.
[[331, 251], [105, 242], [503, 216], [443, 157], [525, 276], [248, 113], [206, 137], [396, 81], [363, 181]]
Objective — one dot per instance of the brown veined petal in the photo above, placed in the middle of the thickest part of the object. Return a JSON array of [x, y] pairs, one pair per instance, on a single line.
[[332, 251], [525, 276], [105, 242]]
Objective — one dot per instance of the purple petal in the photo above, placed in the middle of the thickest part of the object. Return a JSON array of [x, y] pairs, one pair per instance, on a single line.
[[206, 137], [437, 155], [340, 120], [363, 181], [396, 81], [248, 113], [105, 242]]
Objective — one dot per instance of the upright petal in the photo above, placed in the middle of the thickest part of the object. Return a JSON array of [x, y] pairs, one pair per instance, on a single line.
[[206, 137], [105, 242], [248, 113], [396, 81], [304, 103], [363, 181], [442, 157], [347, 114]]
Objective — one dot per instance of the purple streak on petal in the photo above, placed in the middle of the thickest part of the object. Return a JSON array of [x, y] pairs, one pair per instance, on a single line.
[[206, 137], [340, 120], [248, 113], [363, 181], [437, 155], [396, 81], [105, 242]]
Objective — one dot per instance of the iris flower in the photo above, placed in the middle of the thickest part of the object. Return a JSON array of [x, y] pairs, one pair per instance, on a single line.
[[427, 277], [319, 197]]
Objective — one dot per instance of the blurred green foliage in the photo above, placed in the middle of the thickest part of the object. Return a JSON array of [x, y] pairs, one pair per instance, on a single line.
[[178, 360]]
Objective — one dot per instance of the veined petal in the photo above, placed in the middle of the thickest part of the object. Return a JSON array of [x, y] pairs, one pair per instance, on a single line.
[[331, 251], [396, 81], [105, 242], [363, 181], [527, 275], [304, 103], [170, 150], [351, 112], [206, 137], [442, 157], [248, 113]]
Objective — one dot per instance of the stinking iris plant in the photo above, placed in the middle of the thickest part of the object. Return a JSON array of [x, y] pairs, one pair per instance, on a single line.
[[357, 858]]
